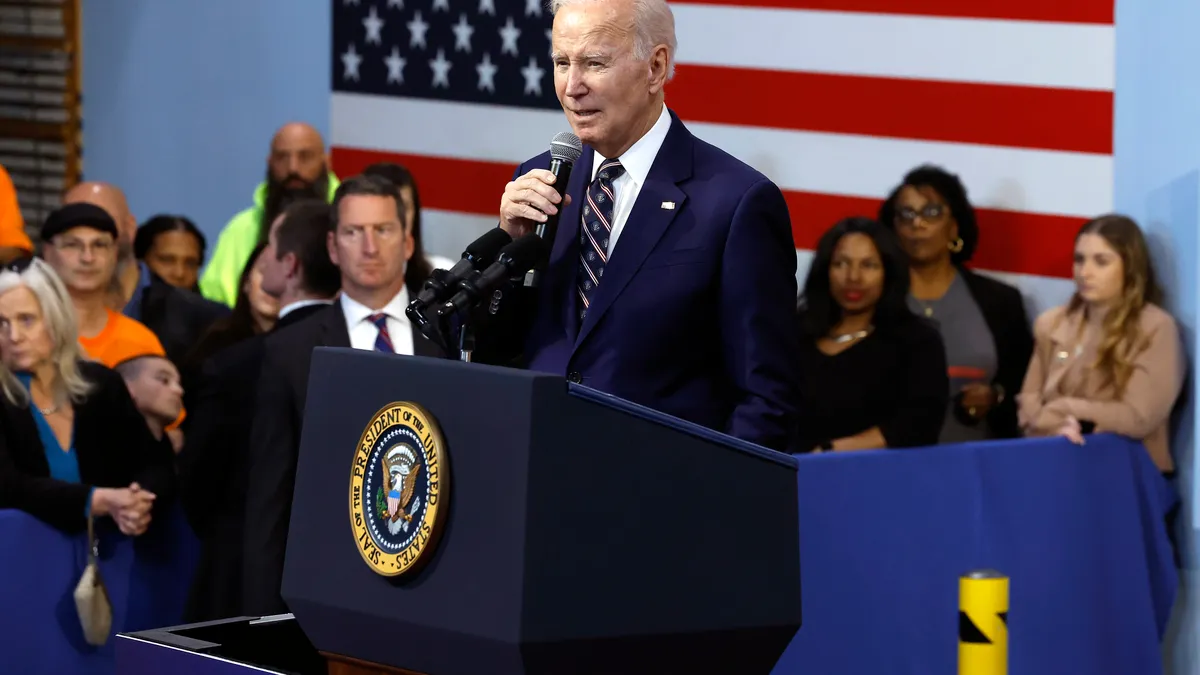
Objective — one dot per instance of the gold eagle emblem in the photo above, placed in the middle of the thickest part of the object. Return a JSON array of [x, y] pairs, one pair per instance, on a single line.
[[401, 483]]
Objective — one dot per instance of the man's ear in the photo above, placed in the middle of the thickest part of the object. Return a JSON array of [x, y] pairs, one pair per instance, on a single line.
[[331, 244], [292, 264]]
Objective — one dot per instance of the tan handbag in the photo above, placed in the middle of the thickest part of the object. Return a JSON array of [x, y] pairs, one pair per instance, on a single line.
[[91, 597]]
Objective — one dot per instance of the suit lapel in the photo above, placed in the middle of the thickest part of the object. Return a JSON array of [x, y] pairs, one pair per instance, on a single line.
[[334, 332], [647, 222]]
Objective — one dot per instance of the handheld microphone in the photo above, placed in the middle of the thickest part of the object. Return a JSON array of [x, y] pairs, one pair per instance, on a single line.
[[565, 150], [514, 260]]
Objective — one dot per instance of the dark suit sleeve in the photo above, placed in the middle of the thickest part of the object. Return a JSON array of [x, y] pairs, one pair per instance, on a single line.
[[204, 460], [272, 476], [923, 391], [757, 318], [57, 503], [1016, 350]]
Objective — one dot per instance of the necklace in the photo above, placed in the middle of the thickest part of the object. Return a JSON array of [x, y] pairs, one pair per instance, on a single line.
[[848, 337], [46, 412]]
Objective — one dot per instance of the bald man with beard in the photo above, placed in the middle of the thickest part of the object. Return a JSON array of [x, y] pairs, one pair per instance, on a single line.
[[176, 316], [297, 168]]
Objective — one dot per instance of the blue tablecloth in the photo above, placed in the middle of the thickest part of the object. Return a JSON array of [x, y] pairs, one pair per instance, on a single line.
[[884, 538], [1079, 531], [147, 579]]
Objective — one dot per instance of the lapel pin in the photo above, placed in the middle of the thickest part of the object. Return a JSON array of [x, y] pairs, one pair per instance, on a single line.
[[670, 206]]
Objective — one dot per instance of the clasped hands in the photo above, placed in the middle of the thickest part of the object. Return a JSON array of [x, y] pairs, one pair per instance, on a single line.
[[129, 507]]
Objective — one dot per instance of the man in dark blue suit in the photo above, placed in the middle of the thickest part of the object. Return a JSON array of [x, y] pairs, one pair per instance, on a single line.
[[671, 281]]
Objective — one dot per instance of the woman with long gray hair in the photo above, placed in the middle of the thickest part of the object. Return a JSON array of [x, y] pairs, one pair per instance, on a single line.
[[72, 443]]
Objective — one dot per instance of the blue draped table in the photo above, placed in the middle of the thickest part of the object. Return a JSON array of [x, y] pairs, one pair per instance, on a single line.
[[147, 580], [884, 538], [1079, 531]]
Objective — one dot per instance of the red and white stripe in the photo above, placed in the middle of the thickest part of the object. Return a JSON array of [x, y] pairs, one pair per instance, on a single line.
[[834, 100]]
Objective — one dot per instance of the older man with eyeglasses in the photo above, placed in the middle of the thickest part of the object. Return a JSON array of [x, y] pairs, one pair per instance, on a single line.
[[80, 243]]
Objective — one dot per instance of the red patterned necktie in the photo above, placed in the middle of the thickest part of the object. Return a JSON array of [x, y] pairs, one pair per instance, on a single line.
[[383, 341]]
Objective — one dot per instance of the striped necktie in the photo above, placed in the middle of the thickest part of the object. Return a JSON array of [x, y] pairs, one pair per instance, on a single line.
[[383, 341], [595, 229]]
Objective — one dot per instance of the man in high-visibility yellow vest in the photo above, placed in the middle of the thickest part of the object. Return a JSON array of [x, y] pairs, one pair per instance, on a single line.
[[297, 168]]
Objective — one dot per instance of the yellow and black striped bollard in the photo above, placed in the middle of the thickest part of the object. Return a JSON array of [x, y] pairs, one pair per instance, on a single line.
[[983, 623]]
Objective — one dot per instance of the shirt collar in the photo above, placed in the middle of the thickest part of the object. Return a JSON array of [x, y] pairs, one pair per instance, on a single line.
[[638, 159], [133, 308], [293, 306], [356, 312]]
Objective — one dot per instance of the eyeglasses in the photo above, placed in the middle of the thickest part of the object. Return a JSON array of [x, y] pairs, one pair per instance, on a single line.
[[930, 213], [77, 246]]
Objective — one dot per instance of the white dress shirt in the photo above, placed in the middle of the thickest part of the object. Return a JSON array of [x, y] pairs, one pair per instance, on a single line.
[[293, 306], [637, 161], [363, 332]]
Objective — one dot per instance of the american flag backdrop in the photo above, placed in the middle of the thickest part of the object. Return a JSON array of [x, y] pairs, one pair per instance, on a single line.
[[834, 100]]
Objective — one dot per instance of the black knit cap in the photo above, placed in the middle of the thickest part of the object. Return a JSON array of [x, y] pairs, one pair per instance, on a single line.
[[78, 215]]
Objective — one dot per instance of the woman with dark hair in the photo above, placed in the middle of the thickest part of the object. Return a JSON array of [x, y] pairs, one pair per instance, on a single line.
[[983, 322], [873, 374], [1111, 359], [254, 313], [173, 248], [421, 264]]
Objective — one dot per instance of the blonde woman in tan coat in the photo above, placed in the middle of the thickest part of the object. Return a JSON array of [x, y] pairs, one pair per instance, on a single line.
[[1111, 359]]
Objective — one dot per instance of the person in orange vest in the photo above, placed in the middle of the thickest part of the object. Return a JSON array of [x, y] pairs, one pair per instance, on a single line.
[[14, 242]]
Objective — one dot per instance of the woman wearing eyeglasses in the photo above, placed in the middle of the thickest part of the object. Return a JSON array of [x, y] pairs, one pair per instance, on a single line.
[[982, 321], [72, 443]]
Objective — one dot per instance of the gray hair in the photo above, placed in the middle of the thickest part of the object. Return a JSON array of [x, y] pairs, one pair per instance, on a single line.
[[653, 23], [59, 316]]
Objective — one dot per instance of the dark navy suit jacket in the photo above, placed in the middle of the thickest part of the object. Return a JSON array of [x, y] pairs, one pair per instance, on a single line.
[[695, 315]]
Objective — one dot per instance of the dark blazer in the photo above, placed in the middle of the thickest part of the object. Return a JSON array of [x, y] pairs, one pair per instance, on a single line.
[[275, 445], [177, 316], [212, 469], [113, 446], [895, 379], [695, 314], [1003, 310]]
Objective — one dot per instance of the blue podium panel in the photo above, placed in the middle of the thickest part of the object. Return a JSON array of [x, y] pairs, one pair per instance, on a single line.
[[1079, 531]]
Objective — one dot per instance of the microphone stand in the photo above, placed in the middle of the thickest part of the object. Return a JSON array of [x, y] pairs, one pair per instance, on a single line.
[[466, 342]]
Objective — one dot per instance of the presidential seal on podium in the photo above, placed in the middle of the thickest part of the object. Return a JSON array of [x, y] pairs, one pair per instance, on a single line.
[[399, 489]]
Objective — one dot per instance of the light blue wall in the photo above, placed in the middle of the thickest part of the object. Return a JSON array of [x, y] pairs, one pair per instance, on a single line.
[[181, 96], [1158, 183]]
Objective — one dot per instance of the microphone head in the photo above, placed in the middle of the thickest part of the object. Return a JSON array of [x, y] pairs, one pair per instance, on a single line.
[[489, 245], [524, 252], [565, 146]]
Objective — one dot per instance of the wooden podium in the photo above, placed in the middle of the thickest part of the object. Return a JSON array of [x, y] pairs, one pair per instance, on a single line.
[[344, 665]]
